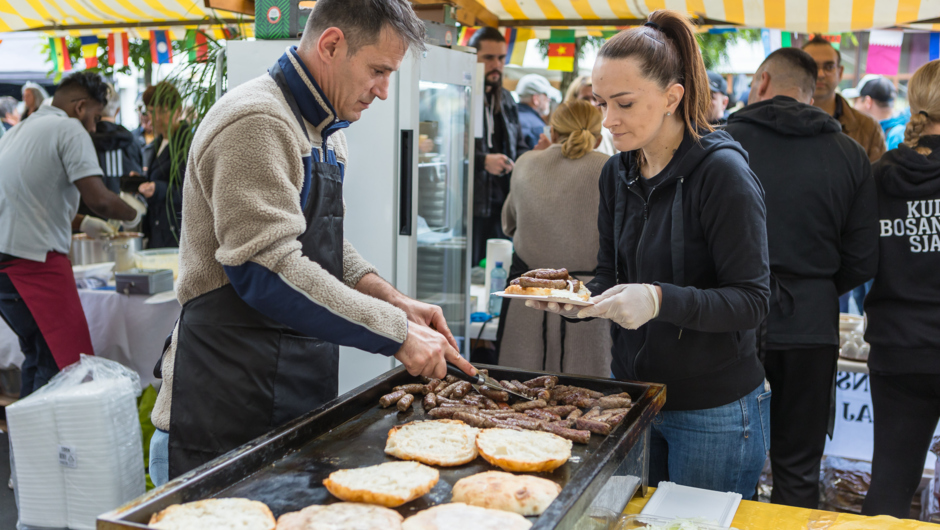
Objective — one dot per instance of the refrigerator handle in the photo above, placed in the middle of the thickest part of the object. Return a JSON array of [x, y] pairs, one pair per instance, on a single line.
[[406, 177]]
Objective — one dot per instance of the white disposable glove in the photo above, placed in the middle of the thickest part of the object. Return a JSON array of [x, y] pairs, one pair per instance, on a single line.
[[565, 310], [139, 206], [96, 228], [631, 305]]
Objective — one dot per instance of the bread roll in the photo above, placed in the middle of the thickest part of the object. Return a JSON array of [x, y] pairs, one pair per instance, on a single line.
[[525, 451], [437, 443], [215, 514], [522, 494], [390, 484], [341, 516], [459, 516]]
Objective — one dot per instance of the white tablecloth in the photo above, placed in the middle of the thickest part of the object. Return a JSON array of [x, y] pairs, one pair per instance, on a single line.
[[123, 329]]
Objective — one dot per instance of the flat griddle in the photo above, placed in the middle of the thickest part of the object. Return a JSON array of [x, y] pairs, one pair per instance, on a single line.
[[285, 468]]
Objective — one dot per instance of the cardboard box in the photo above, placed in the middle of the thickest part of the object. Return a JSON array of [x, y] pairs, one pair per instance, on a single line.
[[280, 19]]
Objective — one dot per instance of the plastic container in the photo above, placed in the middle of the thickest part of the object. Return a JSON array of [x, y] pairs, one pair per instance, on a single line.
[[160, 258], [651, 522], [497, 284]]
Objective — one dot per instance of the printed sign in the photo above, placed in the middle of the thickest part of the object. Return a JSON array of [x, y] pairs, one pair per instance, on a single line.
[[67, 456]]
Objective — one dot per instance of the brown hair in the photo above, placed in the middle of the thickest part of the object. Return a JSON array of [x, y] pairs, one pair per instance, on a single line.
[[578, 124], [923, 93], [574, 89], [817, 40], [163, 95], [668, 53]]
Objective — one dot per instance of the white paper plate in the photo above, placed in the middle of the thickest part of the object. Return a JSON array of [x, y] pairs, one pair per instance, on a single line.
[[673, 501], [556, 299]]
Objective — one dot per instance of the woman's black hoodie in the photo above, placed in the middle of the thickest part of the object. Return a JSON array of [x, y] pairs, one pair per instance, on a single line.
[[702, 238], [903, 305]]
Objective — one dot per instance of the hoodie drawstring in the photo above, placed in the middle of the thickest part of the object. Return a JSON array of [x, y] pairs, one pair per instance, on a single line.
[[678, 237]]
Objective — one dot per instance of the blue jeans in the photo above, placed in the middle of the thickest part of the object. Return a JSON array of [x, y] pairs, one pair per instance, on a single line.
[[160, 458], [720, 449]]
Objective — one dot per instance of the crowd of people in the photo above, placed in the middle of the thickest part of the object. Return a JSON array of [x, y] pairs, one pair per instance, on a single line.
[[726, 246], [716, 246]]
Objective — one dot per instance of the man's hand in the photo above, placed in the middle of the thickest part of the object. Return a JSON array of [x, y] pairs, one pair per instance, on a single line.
[[147, 189], [426, 352], [565, 310], [631, 305], [497, 164], [427, 315], [96, 228]]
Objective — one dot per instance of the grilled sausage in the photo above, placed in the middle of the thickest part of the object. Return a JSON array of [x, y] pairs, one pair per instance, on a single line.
[[585, 403], [574, 285], [390, 399], [613, 402], [503, 405], [548, 274], [529, 424], [569, 399], [539, 283], [489, 403], [473, 420], [596, 411], [461, 390], [542, 414], [449, 389], [576, 436], [544, 381], [615, 419], [495, 395], [414, 388], [562, 410], [526, 405], [429, 401], [597, 427], [450, 379], [575, 414], [405, 402], [448, 412], [434, 385], [543, 393]]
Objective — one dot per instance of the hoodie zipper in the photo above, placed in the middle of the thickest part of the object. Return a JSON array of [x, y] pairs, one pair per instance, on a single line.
[[646, 216]]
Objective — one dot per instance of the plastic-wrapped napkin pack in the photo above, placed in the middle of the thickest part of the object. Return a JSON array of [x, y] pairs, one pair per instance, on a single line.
[[77, 446]]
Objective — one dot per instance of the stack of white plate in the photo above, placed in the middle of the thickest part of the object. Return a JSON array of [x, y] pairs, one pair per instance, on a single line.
[[40, 485], [99, 424]]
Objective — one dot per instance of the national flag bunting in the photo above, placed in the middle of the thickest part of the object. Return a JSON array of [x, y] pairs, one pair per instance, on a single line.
[[934, 46], [465, 34], [517, 39], [90, 50], [561, 50], [197, 45], [160, 50], [834, 39], [59, 54], [118, 49], [786, 40]]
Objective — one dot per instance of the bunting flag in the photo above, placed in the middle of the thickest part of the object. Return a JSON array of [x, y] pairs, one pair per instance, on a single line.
[[118, 49], [934, 46], [90, 51], [833, 38], [771, 40], [59, 54], [884, 52], [160, 50], [197, 45], [608, 33], [561, 50], [465, 34], [785, 39], [517, 40]]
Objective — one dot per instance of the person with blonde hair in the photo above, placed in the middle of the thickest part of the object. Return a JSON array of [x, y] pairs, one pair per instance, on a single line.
[[903, 306], [549, 215], [582, 88]]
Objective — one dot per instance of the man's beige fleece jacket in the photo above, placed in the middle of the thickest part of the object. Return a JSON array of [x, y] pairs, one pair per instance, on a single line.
[[241, 202]]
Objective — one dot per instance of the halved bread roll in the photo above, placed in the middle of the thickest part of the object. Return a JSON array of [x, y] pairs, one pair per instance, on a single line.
[[527, 451], [215, 514], [522, 494], [390, 484], [341, 516], [459, 516], [438, 443]]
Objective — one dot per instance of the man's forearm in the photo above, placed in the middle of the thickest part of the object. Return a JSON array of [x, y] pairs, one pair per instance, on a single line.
[[373, 285]]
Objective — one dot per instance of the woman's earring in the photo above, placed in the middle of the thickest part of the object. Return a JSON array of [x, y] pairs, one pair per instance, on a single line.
[[668, 114]]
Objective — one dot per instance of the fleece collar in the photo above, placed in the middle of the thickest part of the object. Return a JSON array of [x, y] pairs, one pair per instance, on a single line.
[[313, 104]]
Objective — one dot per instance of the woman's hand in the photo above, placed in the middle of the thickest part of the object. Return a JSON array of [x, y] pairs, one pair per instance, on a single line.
[[565, 310], [147, 189], [544, 143], [630, 305]]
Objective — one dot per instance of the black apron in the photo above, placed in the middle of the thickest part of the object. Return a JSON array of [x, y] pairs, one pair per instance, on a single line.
[[238, 373]]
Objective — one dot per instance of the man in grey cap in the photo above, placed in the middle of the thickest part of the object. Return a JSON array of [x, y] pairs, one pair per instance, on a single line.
[[875, 96], [535, 97], [719, 90]]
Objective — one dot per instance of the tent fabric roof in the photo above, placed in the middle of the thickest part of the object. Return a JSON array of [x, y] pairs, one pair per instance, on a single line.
[[803, 16], [91, 17]]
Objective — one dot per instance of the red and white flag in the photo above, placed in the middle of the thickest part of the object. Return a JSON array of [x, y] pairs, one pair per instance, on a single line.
[[118, 51]]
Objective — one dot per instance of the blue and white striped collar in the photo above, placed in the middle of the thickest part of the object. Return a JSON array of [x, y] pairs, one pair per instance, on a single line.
[[313, 104]]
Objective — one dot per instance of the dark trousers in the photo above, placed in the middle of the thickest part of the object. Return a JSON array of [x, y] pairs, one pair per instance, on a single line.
[[906, 409], [485, 228], [802, 383], [39, 365]]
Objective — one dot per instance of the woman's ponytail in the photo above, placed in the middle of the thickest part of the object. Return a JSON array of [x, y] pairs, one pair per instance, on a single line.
[[923, 93], [578, 125]]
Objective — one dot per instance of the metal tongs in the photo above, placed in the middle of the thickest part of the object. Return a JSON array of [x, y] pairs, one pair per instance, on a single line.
[[482, 379]]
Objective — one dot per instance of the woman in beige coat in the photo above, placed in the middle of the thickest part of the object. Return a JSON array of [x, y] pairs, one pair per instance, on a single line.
[[550, 215]]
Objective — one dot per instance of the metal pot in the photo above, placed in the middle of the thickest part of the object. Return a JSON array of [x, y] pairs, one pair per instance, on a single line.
[[86, 250]]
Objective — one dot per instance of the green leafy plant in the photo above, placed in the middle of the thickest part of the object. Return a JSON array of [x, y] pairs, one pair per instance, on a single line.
[[715, 46]]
